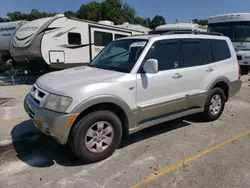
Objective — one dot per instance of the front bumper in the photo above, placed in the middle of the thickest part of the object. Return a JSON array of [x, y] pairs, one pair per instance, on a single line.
[[50, 123], [235, 87]]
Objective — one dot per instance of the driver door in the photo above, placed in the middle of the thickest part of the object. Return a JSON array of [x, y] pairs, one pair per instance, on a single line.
[[163, 93]]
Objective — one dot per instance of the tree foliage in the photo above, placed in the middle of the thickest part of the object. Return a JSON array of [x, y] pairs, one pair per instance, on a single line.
[[70, 13], [157, 21], [90, 11], [113, 10], [200, 22]]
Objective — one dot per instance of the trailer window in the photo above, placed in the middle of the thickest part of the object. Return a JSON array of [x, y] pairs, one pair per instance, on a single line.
[[118, 36], [102, 38], [74, 38]]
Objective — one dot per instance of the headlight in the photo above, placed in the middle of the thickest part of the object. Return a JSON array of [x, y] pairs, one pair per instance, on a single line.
[[57, 103]]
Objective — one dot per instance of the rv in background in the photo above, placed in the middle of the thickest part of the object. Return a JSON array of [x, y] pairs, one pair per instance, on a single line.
[[60, 42], [7, 29], [237, 27], [137, 27], [185, 27]]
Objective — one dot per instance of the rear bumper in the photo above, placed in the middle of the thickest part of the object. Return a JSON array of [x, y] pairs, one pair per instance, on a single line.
[[50, 123], [235, 87]]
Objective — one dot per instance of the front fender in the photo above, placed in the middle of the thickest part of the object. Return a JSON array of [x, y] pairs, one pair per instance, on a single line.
[[99, 99]]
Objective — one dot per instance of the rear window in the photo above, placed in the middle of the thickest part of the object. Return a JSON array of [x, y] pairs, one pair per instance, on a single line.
[[206, 51], [220, 50]]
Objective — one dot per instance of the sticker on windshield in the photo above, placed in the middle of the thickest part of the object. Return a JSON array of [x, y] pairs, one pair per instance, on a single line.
[[138, 44]]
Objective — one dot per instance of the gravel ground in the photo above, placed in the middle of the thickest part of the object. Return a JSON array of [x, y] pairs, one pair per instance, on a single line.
[[29, 159]]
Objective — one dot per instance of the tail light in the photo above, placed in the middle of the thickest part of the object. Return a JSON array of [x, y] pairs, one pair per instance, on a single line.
[[239, 72]]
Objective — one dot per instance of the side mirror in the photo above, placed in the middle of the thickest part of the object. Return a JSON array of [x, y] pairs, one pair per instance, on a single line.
[[151, 66]]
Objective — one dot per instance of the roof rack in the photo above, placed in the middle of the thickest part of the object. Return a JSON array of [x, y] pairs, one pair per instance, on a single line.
[[192, 32]]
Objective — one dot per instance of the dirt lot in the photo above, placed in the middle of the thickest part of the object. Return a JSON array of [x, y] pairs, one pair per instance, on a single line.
[[181, 153]]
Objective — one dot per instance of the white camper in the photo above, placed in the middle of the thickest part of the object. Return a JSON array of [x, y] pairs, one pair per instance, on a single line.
[[237, 27], [137, 27], [7, 29], [179, 27], [60, 42]]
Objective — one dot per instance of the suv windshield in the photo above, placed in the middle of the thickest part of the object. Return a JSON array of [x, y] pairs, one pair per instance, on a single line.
[[120, 55], [236, 31]]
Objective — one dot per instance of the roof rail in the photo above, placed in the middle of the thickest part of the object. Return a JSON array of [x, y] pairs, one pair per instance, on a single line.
[[192, 32]]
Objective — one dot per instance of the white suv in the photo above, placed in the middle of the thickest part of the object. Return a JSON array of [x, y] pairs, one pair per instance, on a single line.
[[134, 83]]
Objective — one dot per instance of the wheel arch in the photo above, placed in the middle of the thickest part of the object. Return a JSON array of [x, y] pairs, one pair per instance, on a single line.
[[106, 102], [223, 83]]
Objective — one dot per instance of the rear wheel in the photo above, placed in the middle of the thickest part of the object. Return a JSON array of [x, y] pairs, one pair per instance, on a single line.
[[96, 136], [214, 105]]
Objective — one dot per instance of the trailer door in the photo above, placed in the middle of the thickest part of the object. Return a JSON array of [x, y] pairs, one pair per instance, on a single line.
[[101, 37]]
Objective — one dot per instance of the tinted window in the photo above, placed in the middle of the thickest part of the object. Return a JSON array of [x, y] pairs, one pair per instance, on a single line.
[[102, 38], [167, 53], [206, 51], [74, 38], [191, 52], [220, 50], [117, 36]]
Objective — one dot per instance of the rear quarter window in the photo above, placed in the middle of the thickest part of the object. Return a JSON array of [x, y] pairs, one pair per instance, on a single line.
[[220, 50]]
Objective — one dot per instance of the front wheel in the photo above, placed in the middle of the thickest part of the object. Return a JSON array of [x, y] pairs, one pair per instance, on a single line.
[[96, 136], [214, 105]]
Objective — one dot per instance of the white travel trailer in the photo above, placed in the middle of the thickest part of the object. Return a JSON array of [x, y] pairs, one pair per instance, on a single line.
[[185, 27], [60, 42], [7, 29], [237, 27], [137, 27]]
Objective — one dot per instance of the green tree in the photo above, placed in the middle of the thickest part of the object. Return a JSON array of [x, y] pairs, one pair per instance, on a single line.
[[127, 14], [200, 22], [4, 19], [157, 21], [112, 10], [35, 14], [91, 11], [17, 15], [142, 21], [70, 13]]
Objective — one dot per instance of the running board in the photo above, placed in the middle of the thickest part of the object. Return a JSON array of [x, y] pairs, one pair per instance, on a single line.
[[165, 119]]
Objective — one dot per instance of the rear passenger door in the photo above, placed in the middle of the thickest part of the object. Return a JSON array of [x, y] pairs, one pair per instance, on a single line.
[[200, 70]]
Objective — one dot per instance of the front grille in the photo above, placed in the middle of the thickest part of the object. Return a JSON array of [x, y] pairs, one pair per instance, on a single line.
[[239, 57], [37, 95]]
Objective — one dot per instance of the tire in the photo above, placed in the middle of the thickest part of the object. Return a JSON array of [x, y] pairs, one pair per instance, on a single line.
[[79, 137], [212, 115]]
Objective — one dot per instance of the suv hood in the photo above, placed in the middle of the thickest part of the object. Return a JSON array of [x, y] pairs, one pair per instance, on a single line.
[[69, 80]]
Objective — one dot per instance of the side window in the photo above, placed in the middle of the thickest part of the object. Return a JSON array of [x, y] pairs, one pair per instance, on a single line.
[[167, 53], [220, 50], [206, 51], [118, 36], [191, 52], [74, 38], [102, 38]]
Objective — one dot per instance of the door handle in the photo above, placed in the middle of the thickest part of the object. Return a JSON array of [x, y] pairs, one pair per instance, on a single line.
[[210, 69], [177, 76]]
